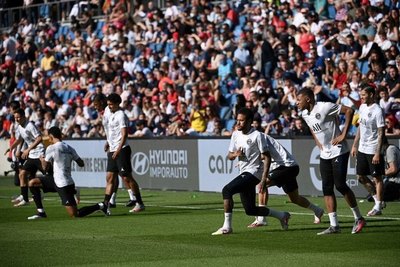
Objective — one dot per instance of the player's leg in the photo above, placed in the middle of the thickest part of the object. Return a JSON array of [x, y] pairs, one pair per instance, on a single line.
[[23, 181], [288, 178], [377, 170], [67, 195], [114, 194], [34, 186], [326, 170], [125, 170], [228, 191], [340, 174], [262, 202]]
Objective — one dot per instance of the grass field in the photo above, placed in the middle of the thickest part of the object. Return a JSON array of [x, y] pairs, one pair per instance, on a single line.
[[175, 230]]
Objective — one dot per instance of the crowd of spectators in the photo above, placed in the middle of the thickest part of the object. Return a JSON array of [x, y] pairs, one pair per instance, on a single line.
[[187, 69]]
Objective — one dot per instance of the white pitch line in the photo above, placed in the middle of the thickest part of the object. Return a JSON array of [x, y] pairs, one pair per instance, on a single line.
[[220, 209]]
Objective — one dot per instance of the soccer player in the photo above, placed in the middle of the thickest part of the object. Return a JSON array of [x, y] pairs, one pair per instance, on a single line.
[[60, 155], [282, 173], [248, 145], [27, 132], [322, 119], [367, 147], [119, 152], [100, 104]]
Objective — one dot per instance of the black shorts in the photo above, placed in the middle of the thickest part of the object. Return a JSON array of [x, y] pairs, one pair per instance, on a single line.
[[122, 164], [285, 177], [32, 166], [48, 184], [365, 167], [67, 195]]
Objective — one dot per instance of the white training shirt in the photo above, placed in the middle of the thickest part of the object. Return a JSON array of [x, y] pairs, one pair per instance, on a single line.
[[116, 122], [253, 145], [323, 122], [279, 155], [29, 133], [61, 156], [371, 118]]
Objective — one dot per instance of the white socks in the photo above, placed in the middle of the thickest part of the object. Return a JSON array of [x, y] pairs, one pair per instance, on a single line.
[[356, 212], [131, 194], [227, 221], [333, 219], [113, 197]]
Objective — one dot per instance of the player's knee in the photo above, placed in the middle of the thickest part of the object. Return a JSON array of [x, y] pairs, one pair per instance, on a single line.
[[250, 210], [328, 191], [126, 176], [34, 182], [343, 188], [226, 192], [363, 179]]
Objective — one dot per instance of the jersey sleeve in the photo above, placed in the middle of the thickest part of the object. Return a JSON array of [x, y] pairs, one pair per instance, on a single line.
[[380, 120], [232, 144], [333, 109], [49, 156], [123, 120], [75, 155]]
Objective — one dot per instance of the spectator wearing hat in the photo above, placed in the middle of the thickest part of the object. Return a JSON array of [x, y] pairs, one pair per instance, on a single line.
[[46, 64]]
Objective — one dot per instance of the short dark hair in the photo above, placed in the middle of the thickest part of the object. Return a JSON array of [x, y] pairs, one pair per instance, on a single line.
[[15, 105], [247, 113], [307, 92], [55, 131], [100, 98], [114, 98], [369, 89], [20, 111]]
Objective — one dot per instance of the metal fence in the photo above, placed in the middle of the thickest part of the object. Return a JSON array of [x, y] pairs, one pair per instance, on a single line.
[[60, 10]]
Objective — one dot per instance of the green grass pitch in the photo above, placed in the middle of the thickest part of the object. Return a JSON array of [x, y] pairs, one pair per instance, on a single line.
[[176, 230]]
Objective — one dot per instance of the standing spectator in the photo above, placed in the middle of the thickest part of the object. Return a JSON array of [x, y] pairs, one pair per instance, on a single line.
[[9, 46], [367, 147], [322, 118], [249, 146]]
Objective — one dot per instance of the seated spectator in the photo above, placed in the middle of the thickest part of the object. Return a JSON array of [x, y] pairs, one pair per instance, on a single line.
[[299, 128], [392, 125], [142, 130]]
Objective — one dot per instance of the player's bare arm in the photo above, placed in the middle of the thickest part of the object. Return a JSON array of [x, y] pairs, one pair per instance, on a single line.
[[348, 112], [354, 148]]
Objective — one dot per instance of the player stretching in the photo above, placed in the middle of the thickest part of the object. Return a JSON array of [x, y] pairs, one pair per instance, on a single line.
[[248, 145], [60, 155]]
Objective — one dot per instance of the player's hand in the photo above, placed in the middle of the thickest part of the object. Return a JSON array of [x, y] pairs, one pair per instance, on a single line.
[[115, 154], [354, 151], [337, 140], [376, 159], [239, 152], [106, 147], [25, 154]]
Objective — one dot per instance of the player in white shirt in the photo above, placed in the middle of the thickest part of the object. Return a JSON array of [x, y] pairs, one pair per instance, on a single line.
[[60, 155], [26, 132], [248, 145], [322, 118], [367, 147], [100, 104], [282, 173], [119, 152]]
